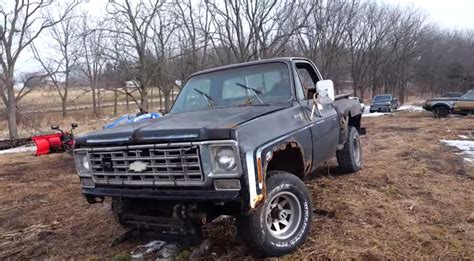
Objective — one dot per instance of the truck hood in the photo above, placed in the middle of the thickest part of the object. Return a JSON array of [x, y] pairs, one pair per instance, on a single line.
[[214, 124]]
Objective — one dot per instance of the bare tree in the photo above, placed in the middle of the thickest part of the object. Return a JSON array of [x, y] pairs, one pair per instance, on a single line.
[[62, 58], [249, 30], [93, 58], [21, 25], [134, 23]]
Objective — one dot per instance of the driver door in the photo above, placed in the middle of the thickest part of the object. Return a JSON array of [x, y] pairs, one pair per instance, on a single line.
[[323, 124], [466, 104]]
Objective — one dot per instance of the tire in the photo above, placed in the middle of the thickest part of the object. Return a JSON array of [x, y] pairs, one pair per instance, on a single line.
[[350, 157], [263, 230], [440, 112]]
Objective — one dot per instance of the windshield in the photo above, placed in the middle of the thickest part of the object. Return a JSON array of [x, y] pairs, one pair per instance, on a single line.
[[469, 95], [382, 98], [260, 84]]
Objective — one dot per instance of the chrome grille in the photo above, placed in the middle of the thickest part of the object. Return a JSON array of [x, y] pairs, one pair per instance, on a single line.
[[158, 165]]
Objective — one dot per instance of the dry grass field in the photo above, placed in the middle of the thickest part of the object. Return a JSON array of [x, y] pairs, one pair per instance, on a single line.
[[412, 200]]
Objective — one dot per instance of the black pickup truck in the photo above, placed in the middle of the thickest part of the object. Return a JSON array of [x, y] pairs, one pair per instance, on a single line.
[[238, 140]]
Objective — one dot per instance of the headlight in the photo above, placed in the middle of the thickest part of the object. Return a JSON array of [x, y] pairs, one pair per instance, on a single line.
[[85, 163], [82, 163], [226, 158]]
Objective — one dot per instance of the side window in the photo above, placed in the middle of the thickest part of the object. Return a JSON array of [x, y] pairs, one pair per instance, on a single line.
[[300, 93], [469, 96], [308, 77]]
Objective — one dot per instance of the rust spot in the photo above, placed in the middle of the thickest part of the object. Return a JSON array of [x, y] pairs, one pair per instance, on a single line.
[[231, 125], [259, 171], [256, 202], [308, 164]]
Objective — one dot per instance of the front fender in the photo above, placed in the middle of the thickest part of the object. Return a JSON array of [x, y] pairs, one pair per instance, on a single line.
[[257, 161]]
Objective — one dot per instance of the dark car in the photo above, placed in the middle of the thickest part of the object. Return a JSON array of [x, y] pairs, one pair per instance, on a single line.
[[442, 107], [384, 103], [238, 141]]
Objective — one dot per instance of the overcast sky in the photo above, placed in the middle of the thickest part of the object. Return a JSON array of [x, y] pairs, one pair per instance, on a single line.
[[452, 14]]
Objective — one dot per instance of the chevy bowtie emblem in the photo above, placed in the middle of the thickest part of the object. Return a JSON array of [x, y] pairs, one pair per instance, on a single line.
[[138, 166]]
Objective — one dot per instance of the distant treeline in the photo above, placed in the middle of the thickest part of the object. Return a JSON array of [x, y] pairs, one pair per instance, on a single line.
[[367, 45]]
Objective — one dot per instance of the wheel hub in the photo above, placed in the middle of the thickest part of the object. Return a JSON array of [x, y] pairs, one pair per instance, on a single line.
[[283, 215]]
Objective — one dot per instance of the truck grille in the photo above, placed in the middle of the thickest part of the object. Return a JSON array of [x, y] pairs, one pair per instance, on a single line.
[[147, 165]]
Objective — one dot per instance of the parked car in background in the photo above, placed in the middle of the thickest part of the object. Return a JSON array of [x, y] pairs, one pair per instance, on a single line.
[[384, 103], [442, 107]]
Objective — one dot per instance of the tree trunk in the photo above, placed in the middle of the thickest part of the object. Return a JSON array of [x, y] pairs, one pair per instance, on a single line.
[[99, 101], [144, 99], [126, 97], [167, 94], [115, 101], [160, 96], [11, 112], [151, 98], [64, 106], [94, 102]]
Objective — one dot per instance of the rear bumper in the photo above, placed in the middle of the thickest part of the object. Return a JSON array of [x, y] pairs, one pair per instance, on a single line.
[[178, 195]]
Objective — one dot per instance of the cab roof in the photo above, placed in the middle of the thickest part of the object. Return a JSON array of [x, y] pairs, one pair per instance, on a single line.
[[286, 60]]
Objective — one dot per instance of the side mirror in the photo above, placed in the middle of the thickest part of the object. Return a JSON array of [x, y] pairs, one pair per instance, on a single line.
[[74, 125], [326, 88], [54, 127]]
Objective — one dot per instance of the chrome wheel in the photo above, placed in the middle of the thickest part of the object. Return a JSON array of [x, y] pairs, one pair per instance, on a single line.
[[283, 215]]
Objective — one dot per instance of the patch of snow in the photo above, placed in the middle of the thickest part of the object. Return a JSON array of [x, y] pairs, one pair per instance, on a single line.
[[366, 110], [466, 147], [463, 137], [374, 114], [19, 150], [410, 108]]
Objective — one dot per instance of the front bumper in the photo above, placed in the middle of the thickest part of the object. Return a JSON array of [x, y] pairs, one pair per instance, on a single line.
[[160, 194], [380, 108]]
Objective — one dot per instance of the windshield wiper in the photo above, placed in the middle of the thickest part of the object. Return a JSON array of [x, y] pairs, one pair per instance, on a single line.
[[252, 90], [207, 97]]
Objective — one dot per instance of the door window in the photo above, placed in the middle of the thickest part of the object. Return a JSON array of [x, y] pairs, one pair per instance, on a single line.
[[308, 77], [469, 96]]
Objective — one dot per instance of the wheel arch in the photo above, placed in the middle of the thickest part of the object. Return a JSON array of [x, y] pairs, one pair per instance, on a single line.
[[436, 105], [287, 155]]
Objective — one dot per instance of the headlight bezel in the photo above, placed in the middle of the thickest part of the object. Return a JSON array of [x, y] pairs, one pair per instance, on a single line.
[[79, 157], [223, 154], [217, 170]]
